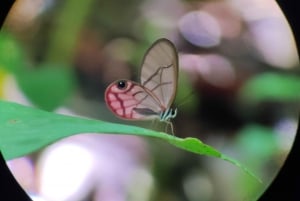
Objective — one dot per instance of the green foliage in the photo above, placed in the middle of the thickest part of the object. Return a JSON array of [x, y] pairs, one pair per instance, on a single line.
[[25, 129], [259, 145], [48, 86], [272, 87], [72, 16], [257, 141], [11, 56]]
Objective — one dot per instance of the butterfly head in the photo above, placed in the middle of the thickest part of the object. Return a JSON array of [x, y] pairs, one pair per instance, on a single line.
[[119, 86]]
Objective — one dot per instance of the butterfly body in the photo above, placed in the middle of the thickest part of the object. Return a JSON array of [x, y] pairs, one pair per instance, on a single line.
[[168, 114], [153, 96]]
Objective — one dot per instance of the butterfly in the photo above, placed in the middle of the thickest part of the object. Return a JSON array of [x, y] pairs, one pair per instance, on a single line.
[[153, 96]]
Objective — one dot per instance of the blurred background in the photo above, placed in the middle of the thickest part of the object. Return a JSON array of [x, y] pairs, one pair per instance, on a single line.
[[238, 92]]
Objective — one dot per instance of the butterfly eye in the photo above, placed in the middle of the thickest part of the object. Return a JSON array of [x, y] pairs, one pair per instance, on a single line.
[[122, 84]]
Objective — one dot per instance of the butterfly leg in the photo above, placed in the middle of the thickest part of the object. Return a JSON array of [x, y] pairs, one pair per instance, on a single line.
[[153, 123], [169, 123]]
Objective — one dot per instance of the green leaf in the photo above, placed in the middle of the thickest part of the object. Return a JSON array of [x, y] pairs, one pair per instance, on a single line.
[[48, 86], [272, 86], [24, 130]]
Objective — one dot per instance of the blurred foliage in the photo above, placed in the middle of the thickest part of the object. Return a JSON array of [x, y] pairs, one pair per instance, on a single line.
[[64, 37], [11, 55], [272, 86], [2, 79], [48, 86], [258, 143]]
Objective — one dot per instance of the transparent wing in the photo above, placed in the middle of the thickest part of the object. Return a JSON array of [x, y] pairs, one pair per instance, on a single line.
[[159, 73], [130, 100]]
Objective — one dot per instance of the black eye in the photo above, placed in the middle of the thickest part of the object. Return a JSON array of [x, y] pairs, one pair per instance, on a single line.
[[122, 84]]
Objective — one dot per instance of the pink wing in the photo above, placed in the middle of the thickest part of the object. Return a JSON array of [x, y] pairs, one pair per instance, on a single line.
[[130, 100]]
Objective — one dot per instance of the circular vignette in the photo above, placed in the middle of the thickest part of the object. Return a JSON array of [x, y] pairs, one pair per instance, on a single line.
[[286, 182]]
